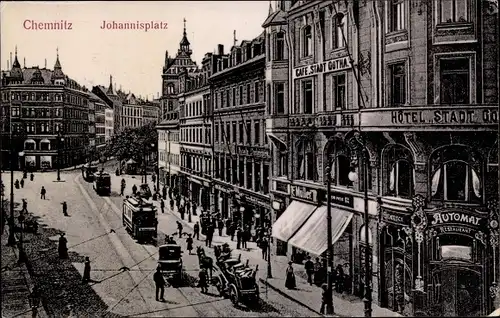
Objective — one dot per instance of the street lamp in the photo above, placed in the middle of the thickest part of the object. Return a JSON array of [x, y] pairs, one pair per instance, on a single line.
[[329, 277], [242, 210], [60, 140], [353, 176]]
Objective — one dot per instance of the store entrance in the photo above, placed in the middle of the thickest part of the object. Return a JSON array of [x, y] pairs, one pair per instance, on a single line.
[[456, 291]]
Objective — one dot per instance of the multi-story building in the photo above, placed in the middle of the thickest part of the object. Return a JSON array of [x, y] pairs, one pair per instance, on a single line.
[[108, 123], [196, 134], [168, 128], [131, 116], [47, 113], [100, 122], [396, 102], [112, 100], [91, 150], [241, 149], [150, 112]]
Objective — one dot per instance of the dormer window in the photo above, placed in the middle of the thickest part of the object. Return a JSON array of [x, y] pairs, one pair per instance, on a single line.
[[307, 44], [248, 52], [279, 47], [256, 50]]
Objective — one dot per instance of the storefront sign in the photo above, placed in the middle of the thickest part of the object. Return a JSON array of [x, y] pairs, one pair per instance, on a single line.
[[304, 193], [393, 217], [435, 116], [457, 229], [455, 217], [281, 187], [320, 68], [254, 200], [342, 199]]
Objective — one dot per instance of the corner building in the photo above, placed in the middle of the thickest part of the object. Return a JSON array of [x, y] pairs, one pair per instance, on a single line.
[[241, 149], [409, 91]]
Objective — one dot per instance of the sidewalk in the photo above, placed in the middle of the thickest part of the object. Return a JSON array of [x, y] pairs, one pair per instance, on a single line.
[[305, 295], [17, 285]]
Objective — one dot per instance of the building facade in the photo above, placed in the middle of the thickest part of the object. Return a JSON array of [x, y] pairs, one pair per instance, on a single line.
[[397, 100], [168, 128], [91, 150], [195, 124], [100, 123], [150, 112], [131, 111], [48, 116], [108, 123], [241, 151]]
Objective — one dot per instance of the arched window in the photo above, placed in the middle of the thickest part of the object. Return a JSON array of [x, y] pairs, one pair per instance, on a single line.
[[400, 172], [29, 144], [339, 31], [456, 174], [339, 159], [306, 158], [170, 88], [279, 48], [307, 43]]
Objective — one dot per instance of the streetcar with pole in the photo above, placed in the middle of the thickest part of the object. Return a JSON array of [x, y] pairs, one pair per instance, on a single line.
[[88, 172], [102, 183], [140, 219]]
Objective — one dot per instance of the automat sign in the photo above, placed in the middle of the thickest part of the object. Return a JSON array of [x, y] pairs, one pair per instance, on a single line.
[[324, 67], [455, 217]]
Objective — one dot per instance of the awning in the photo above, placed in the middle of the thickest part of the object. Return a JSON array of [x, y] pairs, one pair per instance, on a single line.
[[280, 144], [496, 313], [292, 219], [312, 236]]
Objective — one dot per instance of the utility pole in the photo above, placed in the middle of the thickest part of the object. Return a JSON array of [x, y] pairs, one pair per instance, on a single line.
[[329, 278]]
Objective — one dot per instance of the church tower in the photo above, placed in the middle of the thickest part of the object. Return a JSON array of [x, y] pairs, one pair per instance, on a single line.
[[16, 73], [58, 77]]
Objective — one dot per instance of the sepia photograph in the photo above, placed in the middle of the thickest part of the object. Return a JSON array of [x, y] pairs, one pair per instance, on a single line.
[[294, 158]]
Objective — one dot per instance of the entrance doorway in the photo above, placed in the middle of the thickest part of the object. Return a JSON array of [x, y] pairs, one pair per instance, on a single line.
[[456, 291]]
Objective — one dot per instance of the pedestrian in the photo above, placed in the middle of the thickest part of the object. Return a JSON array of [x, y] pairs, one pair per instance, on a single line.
[[228, 227], [195, 207], [189, 243], [317, 273], [326, 301], [209, 236], [32, 176], [167, 239], [86, 270], [264, 245], [238, 238], [16, 184], [309, 268], [122, 187], [339, 286], [63, 248], [153, 178], [244, 238], [196, 230], [164, 192], [22, 183], [171, 204], [188, 206], [162, 205], [179, 228], [203, 282], [134, 189], [42, 193], [160, 284], [290, 277], [65, 208], [25, 205], [220, 226], [182, 211]]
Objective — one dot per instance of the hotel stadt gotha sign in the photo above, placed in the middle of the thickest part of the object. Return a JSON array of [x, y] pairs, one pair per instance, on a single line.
[[321, 68]]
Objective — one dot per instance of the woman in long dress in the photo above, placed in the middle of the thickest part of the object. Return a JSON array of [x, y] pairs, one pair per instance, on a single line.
[[290, 277]]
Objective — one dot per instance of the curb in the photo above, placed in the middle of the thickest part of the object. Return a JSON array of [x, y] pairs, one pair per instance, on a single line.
[[282, 293], [31, 285]]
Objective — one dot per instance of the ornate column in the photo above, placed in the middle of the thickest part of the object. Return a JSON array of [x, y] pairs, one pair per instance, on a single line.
[[494, 234], [419, 225]]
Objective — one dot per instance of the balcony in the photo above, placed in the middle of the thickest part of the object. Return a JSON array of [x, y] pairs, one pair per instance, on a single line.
[[302, 121], [431, 118]]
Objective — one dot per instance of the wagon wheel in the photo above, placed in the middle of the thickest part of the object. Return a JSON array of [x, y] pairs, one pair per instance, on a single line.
[[233, 294]]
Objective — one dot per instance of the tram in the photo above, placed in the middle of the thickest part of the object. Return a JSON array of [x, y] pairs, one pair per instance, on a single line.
[[140, 218], [102, 183], [88, 172]]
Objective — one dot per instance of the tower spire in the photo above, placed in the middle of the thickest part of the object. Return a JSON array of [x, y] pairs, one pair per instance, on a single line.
[[58, 64], [234, 38], [184, 27]]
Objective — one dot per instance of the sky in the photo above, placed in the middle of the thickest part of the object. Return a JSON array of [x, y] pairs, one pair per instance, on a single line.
[[89, 54]]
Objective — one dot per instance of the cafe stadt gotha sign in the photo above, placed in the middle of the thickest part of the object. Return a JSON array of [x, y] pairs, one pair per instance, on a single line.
[[323, 67]]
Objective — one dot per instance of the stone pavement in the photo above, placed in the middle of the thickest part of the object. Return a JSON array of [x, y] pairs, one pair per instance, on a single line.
[[305, 295], [17, 285]]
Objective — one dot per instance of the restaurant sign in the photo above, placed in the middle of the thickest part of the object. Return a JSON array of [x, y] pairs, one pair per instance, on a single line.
[[432, 116], [443, 218], [395, 218], [304, 193], [321, 68]]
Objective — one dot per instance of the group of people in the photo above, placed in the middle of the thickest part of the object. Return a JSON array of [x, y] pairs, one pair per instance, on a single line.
[[20, 184], [317, 274]]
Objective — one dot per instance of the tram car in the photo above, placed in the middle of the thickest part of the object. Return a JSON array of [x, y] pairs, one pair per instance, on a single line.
[[102, 183], [140, 218], [88, 172]]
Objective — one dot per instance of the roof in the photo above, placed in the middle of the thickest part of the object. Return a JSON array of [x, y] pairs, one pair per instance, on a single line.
[[169, 246], [277, 17]]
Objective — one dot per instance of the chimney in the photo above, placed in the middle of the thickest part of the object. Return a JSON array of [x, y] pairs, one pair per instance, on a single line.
[[10, 60], [45, 64], [220, 49]]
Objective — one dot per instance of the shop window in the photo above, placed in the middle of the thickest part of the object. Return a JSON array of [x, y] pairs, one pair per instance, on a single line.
[[454, 11], [400, 172], [279, 49], [307, 42], [279, 92], [397, 84], [339, 31], [307, 96], [397, 15], [306, 157], [456, 175], [338, 82], [455, 86]]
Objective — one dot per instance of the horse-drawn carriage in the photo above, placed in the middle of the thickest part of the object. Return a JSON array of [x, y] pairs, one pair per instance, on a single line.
[[235, 279]]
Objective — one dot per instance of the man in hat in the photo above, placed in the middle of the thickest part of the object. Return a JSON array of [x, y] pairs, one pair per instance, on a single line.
[[189, 243], [86, 270], [160, 284], [309, 267], [62, 248]]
